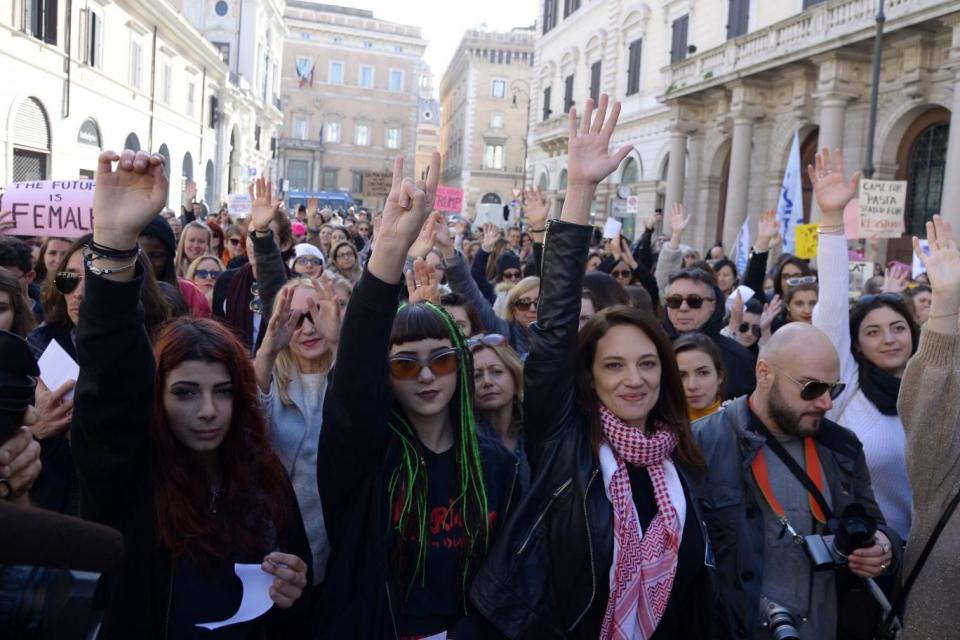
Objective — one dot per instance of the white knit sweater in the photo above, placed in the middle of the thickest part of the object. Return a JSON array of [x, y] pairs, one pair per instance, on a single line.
[[883, 438]]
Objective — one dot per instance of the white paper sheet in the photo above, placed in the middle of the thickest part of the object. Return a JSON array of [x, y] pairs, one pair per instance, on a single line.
[[256, 596], [611, 229], [56, 367], [440, 636]]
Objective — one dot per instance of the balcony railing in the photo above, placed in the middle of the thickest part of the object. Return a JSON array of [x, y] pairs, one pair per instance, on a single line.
[[299, 143], [552, 134], [817, 29]]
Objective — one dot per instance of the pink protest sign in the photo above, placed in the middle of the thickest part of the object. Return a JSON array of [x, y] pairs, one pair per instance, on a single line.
[[61, 208], [448, 199]]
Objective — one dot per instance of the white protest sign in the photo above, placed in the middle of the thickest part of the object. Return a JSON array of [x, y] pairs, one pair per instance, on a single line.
[[860, 272], [239, 205], [611, 228], [881, 208], [918, 267], [256, 596], [62, 208], [57, 367]]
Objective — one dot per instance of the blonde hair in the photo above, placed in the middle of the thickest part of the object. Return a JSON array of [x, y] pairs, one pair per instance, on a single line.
[[192, 269], [285, 368], [520, 289], [511, 361], [180, 257]]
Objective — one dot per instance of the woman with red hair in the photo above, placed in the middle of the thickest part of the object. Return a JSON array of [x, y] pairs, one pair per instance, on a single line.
[[170, 446]]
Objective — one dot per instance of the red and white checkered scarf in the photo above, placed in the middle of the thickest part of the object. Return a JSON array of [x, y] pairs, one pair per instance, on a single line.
[[644, 572]]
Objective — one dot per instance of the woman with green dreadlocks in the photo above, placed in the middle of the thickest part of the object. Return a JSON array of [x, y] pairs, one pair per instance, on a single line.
[[411, 496]]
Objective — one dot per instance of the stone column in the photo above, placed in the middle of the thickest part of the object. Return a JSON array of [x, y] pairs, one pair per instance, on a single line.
[[738, 180], [950, 199], [833, 111], [676, 168]]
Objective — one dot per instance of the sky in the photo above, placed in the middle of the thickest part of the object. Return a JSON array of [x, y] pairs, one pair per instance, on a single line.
[[443, 21]]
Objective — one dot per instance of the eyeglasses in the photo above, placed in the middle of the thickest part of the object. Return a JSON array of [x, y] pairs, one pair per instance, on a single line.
[[524, 304], [406, 367], [511, 274], [886, 297], [752, 328], [343, 254], [207, 274], [799, 280], [308, 261], [813, 389], [67, 281], [621, 273], [693, 301], [235, 242], [487, 340]]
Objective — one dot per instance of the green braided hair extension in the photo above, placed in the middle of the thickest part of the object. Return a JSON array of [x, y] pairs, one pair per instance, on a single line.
[[408, 482]]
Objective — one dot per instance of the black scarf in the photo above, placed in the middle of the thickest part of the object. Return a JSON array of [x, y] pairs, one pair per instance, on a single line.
[[881, 388]]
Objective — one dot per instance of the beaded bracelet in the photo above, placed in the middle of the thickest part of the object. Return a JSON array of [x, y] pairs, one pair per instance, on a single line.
[[114, 254], [89, 257]]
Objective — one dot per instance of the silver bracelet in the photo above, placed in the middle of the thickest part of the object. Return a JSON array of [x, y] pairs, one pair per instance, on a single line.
[[89, 256]]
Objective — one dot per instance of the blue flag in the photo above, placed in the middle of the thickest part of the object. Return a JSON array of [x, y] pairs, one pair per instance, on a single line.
[[790, 203]]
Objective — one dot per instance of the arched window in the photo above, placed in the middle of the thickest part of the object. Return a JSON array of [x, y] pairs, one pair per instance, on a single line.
[[165, 152], [631, 172], [925, 175], [132, 142], [31, 142], [208, 188], [490, 198], [543, 184], [187, 169], [563, 180]]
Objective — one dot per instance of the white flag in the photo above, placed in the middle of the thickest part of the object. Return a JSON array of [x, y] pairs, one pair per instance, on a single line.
[[790, 204], [743, 247]]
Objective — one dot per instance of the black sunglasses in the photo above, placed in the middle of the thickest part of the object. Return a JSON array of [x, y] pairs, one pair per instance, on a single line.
[[235, 242], [67, 281], [886, 297], [511, 274], [693, 301], [621, 273], [813, 389], [752, 328]]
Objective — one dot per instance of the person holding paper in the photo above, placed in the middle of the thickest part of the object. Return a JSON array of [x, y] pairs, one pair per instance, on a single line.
[[170, 446], [412, 497], [875, 340]]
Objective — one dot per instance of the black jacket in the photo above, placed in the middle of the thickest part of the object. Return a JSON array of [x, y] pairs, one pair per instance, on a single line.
[[358, 452], [739, 362], [554, 557], [111, 447]]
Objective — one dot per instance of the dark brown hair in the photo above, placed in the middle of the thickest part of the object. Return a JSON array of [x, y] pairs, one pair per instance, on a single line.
[[670, 409], [23, 320], [698, 342]]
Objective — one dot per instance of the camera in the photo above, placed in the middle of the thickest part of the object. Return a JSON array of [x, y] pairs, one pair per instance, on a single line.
[[854, 530], [779, 621]]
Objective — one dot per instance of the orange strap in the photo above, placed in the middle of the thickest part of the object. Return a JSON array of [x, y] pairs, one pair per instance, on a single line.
[[762, 477]]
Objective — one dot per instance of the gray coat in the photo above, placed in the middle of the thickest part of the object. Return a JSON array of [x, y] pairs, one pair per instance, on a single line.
[[734, 518]]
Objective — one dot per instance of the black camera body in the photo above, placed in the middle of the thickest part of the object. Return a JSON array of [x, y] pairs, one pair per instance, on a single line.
[[854, 530]]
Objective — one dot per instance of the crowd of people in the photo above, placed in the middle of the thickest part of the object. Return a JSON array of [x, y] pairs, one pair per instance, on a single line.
[[419, 427]]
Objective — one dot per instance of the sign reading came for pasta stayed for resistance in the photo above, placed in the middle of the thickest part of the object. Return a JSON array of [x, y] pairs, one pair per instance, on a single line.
[[881, 208]]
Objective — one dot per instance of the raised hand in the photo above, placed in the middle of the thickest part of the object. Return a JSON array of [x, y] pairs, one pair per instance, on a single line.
[[589, 160], [6, 223], [422, 283], [653, 220], [54, 414], [263, 204], [191, 193], [768, 231], [19, 463], [491, 233], [678, 222], [830, 187], [736, 314], [426, 238], [895, 279], [282, 325], [325, 311], [127, 198], [536, 208], [943, 269], [442, 239], [313, 205], [770, 311]]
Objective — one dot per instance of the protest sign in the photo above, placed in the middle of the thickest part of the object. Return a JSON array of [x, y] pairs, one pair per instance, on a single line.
[[611, 228], [62, 208], [881, 208], [807, 240], [239, 205], [448, 199], [917, 268], [860, 272], [376, 184]]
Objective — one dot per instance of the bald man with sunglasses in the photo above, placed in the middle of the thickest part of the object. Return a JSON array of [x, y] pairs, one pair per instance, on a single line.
[[757, 509]]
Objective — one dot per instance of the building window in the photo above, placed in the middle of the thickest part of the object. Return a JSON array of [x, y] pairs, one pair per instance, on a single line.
[[336, 73], [568, 93], [332, 132], [493, 156], [367, 45], [633, 67], [546, 104], [811, 3], [357, 182], [93, 44], [678, 44], [498, 88], [264, 77], [549, 15], [256, 137], [569, 6], [365, 79], [298, 128], [393, 137], [337, 40], [329, 179], [136, 64], [224, 49], [298, 173], [496, 120], [925, 176], [595, 81], [191, 98], [396, 79], [362, 135], [40, 19], [166, 83], [738, 18]]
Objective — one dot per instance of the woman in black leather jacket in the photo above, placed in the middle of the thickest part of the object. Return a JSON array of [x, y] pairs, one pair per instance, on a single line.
[[605, 419]]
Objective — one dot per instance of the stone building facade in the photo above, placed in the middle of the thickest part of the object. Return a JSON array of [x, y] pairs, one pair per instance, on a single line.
[[484, 95]]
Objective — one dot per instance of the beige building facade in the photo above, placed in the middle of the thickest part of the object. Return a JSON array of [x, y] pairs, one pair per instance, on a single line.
[[350, 96], [484, 96]]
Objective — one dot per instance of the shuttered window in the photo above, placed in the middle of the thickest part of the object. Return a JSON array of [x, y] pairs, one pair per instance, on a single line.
[[633, 66], [30, 129], [678, 44], [738, 18], [546, 103], [595, 81], [568, 93]]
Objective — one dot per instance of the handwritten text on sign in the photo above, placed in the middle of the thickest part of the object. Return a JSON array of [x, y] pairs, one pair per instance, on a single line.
[[448, 199], [881, 208], [376, 184], [61, 208]]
